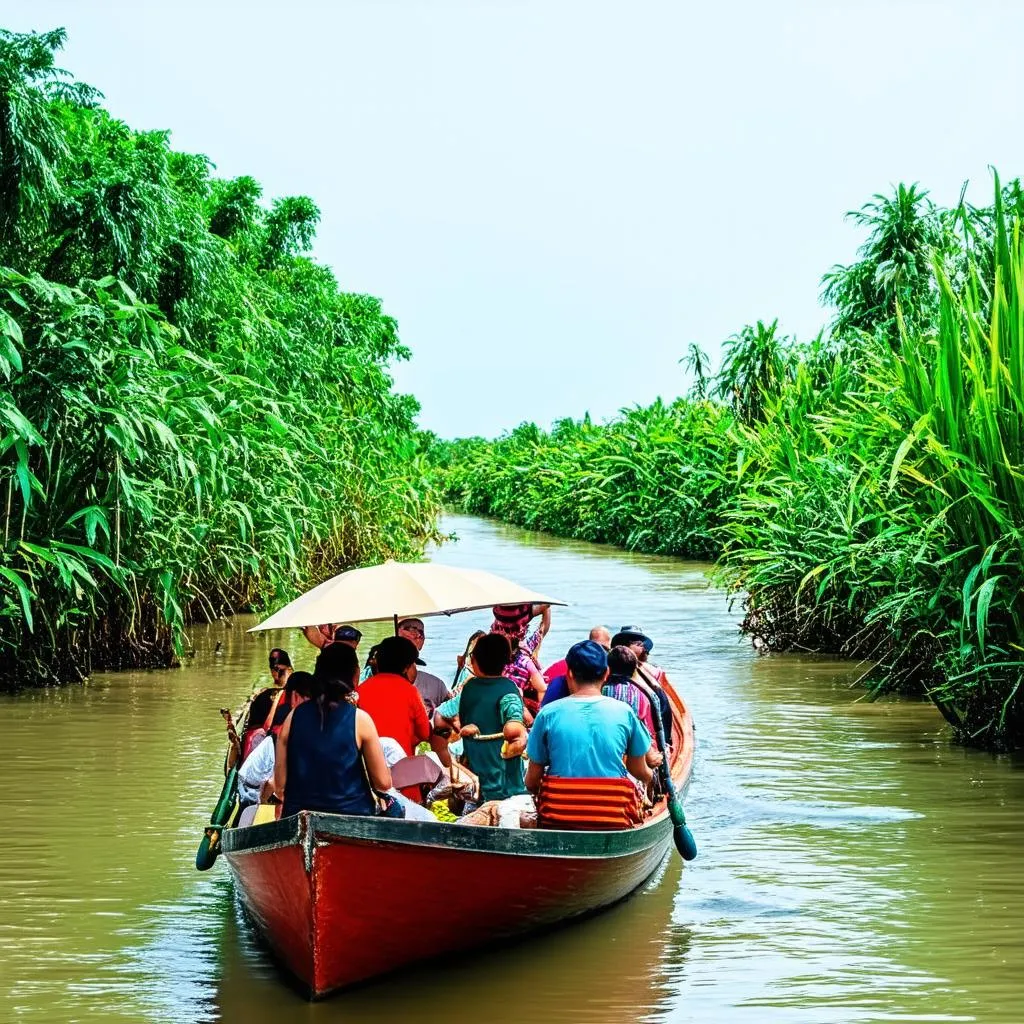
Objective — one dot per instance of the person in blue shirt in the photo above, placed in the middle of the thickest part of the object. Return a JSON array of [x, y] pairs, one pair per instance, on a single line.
[[587, 735]]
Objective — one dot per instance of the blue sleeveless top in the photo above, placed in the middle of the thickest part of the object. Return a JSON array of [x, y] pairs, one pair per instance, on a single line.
[[325, 768]]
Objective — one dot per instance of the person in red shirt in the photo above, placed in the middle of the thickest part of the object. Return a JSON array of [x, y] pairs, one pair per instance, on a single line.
[[390, 698]]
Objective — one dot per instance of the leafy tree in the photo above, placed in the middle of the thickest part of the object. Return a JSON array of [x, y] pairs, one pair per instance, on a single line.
[[906, 232], [31, 140], [754, 369], [697, 362]]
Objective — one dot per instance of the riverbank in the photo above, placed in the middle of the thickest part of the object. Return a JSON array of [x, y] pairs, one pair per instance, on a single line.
[[197, 419], [863, 493]]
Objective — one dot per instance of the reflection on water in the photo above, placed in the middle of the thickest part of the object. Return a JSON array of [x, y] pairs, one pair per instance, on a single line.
[[854, 866]]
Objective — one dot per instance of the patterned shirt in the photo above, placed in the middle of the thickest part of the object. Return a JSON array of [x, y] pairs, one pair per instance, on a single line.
[[622, 689], [522, 665]]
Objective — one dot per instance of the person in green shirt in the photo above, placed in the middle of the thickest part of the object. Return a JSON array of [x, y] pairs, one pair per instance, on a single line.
[[490, 710]]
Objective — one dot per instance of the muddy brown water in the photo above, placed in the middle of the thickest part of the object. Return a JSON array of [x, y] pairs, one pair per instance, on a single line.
[[854, 865]]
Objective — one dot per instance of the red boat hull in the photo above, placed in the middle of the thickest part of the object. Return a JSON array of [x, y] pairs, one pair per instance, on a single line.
[[342, 899]]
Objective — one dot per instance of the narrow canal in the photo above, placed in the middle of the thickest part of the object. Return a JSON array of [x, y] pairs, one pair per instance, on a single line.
[[854, 866]]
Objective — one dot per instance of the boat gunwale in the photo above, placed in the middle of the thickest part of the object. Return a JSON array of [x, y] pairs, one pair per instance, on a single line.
[[441, 835]]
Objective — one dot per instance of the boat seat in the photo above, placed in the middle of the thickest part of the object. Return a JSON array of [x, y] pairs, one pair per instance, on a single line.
[[265, 813]]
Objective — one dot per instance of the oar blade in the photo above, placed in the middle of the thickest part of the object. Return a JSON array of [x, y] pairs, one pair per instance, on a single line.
[[685, 843], [681, 834]]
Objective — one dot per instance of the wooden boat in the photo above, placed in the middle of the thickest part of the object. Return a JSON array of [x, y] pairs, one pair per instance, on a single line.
[[340, 899]]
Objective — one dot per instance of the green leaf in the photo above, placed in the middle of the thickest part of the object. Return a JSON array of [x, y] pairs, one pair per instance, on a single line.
[[985, 593], [24, 594]]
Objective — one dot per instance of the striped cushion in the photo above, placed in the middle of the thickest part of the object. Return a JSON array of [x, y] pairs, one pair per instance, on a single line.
[[600, 804]]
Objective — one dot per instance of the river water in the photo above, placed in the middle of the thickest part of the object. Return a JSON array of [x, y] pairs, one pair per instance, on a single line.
[[854, 866]]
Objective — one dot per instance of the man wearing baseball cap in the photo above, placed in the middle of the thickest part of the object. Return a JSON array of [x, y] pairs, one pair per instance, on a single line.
[[348, 635], [587, 735]]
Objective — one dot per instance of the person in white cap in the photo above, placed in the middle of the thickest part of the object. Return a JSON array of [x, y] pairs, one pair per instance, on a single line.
[[432, 689]]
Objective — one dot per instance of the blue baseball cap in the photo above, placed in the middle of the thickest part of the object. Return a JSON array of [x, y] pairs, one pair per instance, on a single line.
[[587, 661]]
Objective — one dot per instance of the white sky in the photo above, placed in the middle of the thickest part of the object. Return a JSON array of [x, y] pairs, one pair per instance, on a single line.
[[555, 198]]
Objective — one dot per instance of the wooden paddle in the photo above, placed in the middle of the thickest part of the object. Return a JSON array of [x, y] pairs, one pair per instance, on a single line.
[[681, 834], [235, 744]]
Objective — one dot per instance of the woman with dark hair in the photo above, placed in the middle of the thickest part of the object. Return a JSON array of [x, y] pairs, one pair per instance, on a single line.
[[329, 756], [257, 769], [280, 670], [263, 706]]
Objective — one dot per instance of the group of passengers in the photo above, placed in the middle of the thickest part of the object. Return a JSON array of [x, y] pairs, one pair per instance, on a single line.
[[593, 727]]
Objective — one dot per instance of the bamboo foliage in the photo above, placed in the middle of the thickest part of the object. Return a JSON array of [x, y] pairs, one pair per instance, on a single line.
[[192, 421]]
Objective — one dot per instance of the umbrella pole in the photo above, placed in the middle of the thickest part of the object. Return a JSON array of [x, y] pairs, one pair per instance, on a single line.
[[396, 623]]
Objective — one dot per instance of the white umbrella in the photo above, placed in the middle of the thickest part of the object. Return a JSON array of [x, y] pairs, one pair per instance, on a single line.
[[399, 590]]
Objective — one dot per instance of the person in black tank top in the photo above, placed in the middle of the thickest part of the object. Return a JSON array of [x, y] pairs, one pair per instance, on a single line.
[[328, 753]]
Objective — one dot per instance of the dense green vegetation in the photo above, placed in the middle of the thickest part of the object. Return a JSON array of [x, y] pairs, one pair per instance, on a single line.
[[193, 417], [864, 492]]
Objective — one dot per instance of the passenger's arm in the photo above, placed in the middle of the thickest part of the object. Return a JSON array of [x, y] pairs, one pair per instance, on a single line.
[[446, 712], [446, 721], [281, 757], [534, 777], [510, 709], [638, 750], [537, 752], [373, 753], [545, 618], [639, 769], [439, 745], [315, 635], [418, 711]]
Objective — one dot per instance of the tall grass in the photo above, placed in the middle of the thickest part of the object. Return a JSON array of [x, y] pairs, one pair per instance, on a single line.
[[863, 494], [652, 480], [891, 529]]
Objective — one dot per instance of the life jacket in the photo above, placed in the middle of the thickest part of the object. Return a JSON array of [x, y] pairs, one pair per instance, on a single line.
[[588, 804]]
